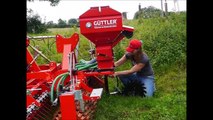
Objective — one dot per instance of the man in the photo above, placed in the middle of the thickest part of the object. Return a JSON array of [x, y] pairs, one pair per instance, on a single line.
[[140, 78]]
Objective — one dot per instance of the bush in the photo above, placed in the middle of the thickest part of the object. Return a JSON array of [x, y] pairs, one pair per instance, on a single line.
[[164, 39]]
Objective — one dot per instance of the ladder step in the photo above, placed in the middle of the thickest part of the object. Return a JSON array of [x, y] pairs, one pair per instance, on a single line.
[[97, 92]]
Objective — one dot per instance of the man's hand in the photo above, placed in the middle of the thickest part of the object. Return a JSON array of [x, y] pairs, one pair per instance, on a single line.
[[113, 75]]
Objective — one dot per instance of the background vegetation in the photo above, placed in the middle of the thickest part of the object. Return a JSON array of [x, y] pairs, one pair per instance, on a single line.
[[164, 40]]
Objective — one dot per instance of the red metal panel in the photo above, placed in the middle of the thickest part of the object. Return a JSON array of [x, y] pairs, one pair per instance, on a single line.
[[27, 42], [39, 75], [31, 100], [104, 53], [99, 73], [101, 26], [105, 57], [38, 85], [65, 62], [61, 41], [85, 87], [67, 106], [95, 12], [34, 66], [101, 39]]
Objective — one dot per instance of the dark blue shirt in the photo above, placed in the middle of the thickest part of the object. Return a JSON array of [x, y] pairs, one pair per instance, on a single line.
[[147, 69]]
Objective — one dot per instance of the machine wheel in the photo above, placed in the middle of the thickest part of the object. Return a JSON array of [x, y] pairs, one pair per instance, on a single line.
[[134, 89], [140, 89]]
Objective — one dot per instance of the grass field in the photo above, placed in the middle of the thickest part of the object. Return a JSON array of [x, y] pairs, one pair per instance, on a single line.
[[168, 103]]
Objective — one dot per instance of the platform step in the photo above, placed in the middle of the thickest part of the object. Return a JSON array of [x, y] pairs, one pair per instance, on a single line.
[[97, 92]]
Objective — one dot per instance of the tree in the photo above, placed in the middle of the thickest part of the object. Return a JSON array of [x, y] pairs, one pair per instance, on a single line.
[[72, 22], [52, 2], [62, 23], [34, 24], [50, 24], [148, 12]]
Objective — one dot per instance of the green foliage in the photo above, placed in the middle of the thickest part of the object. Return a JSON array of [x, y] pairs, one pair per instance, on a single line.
[[72, 22], [148, 12], [62, 23], [164, 39], [50, 24], [119, 51], [34, 23]]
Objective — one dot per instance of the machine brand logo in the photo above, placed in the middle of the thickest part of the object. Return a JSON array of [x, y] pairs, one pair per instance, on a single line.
[[88, 25], [105, 23]]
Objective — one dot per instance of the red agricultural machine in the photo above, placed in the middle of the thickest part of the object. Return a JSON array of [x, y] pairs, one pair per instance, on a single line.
[[71, 89]]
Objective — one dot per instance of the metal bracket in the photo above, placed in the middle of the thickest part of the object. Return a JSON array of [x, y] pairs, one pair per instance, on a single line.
[[78, 96]]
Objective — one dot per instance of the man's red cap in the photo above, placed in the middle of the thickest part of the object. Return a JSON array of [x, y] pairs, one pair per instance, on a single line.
[[133, 44]]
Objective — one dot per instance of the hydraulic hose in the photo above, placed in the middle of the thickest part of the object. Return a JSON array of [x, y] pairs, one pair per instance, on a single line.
[[95, 66], [83, 62], [80, 66], [58, 84], [53, 84], [87, 66]]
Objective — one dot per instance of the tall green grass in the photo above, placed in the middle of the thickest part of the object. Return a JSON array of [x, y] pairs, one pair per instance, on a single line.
[[164, 39]]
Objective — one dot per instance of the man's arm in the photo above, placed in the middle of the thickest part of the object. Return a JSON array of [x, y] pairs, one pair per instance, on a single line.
[[135, 68], [120, 61]]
